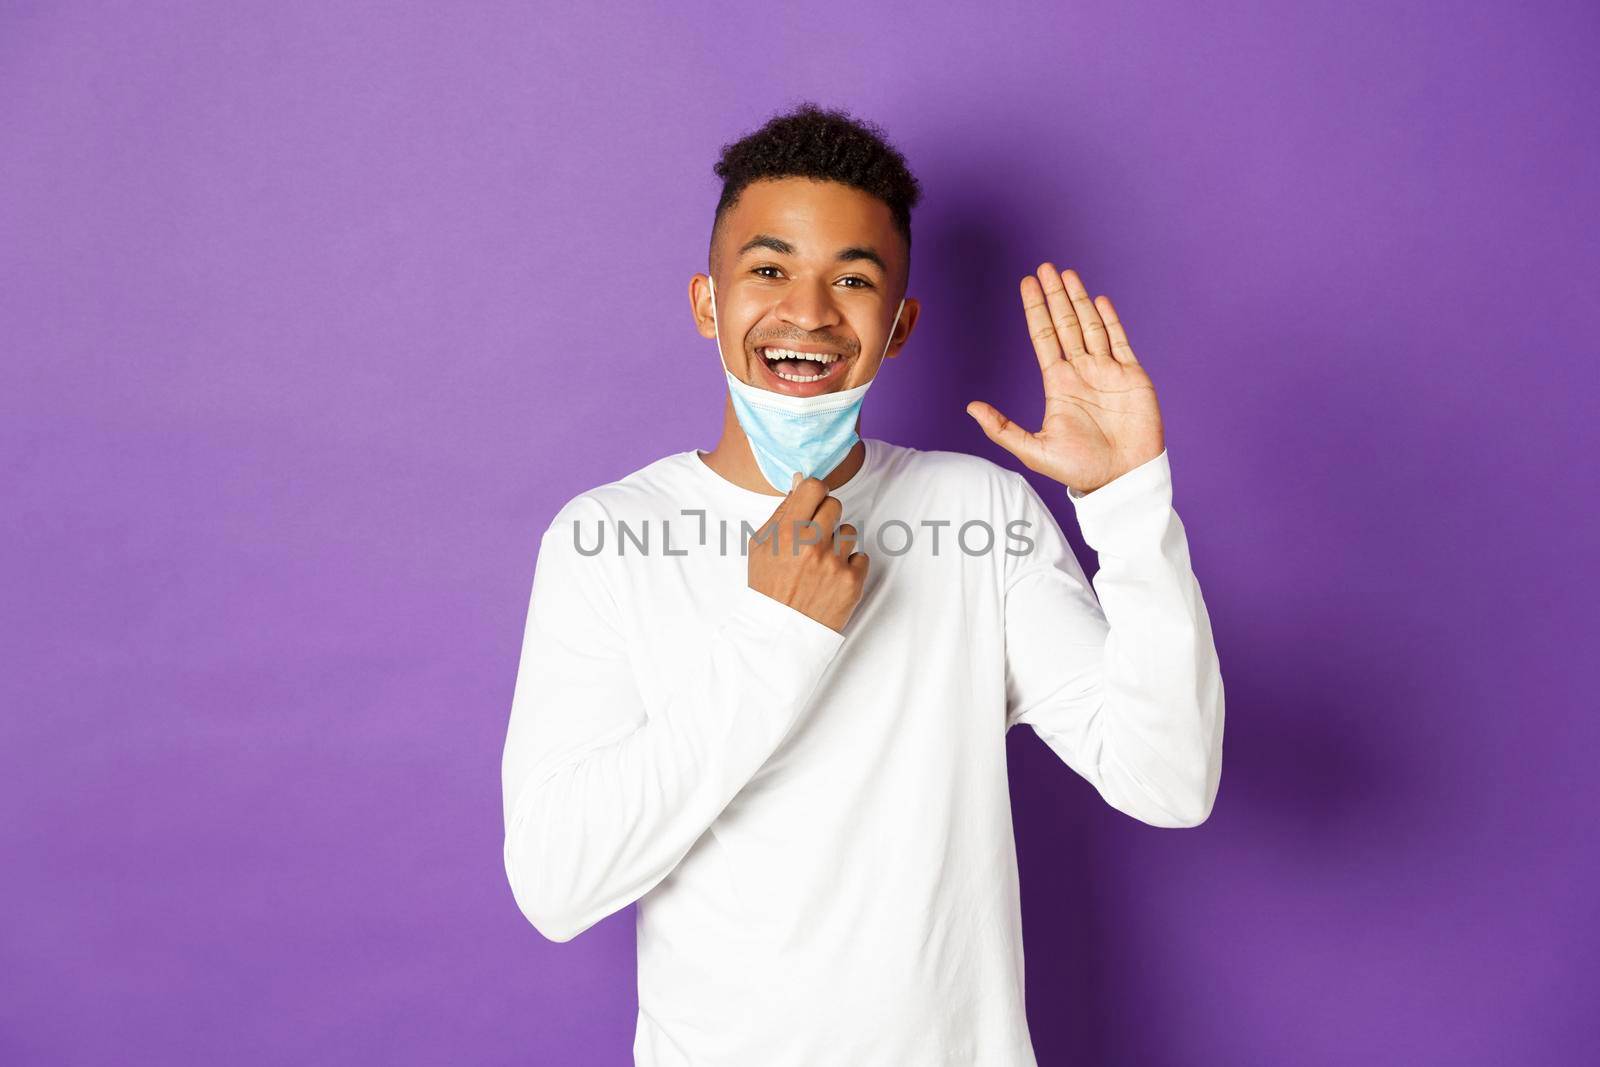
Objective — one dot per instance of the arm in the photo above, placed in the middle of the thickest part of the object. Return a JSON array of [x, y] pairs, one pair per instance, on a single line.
[[601, 801], [1128, 692]]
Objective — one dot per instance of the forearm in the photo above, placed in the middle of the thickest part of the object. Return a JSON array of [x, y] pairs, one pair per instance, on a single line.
[[1158, 737]]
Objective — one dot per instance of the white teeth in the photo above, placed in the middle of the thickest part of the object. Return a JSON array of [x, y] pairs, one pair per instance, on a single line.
[[789, 353]]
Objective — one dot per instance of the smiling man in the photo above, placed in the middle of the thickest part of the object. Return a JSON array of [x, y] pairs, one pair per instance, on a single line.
[[764, 690]]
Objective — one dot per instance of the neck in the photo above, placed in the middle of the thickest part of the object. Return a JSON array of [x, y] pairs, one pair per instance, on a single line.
[[733, 460]]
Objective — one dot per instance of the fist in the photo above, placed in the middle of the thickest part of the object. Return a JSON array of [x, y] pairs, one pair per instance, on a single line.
[[804, 557]]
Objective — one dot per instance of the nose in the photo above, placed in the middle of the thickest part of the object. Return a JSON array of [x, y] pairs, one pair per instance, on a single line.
[[809, 306]]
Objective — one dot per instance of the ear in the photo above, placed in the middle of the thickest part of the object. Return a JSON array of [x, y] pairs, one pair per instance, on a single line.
[[902, 331], [700, 306]]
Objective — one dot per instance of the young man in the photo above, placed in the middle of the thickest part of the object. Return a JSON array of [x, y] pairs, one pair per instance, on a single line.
[[772, 710]]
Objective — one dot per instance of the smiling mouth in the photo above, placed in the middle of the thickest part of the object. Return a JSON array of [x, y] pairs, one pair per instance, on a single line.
[[801, 367]]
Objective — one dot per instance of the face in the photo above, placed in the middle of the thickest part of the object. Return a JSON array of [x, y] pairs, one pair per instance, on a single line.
[[808, 277]]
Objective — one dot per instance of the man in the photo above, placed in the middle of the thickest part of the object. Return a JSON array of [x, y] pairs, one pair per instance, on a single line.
[[785, 739]]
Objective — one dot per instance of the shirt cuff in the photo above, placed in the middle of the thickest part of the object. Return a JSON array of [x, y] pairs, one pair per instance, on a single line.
[[1131, 507], [784, 627]]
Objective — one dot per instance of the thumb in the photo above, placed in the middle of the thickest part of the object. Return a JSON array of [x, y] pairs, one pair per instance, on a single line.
[[1001, 430]]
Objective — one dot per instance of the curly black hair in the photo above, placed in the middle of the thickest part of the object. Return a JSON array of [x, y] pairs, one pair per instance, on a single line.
[[810, 141]]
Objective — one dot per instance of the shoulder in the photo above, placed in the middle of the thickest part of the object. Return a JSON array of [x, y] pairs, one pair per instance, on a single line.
[[652, 490]]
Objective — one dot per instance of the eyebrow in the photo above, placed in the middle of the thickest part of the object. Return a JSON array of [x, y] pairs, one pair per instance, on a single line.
[[782, 247]]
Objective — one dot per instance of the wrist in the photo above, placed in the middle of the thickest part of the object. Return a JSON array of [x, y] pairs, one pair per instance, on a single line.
[[1138, 463]]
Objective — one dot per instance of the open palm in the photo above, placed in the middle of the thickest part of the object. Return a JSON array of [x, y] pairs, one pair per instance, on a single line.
[[1101, 419]]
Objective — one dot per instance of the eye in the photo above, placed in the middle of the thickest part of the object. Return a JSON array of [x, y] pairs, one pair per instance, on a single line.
[[865, 284], [758, 270]]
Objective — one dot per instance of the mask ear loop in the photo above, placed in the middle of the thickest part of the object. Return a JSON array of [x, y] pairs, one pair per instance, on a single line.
[[890, 338], [717, 329]]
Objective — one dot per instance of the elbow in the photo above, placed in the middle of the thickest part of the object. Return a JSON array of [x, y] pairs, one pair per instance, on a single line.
[[554, 926], [1173, 802], [1192, 815], [1168, 815], [557, 920], [1199, 801], [1172, 816], [1191, 791], [545, 891], [558, 917]]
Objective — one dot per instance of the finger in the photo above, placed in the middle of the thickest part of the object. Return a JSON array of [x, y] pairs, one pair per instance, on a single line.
[[783, 504], [827, 515], [859, 562], [1003, 432], [806, 532], [845, 539], [1045, 343], [1061, 311], [1094, 331], [804, 498], [797, 518], [1121, 351], [789, 514]]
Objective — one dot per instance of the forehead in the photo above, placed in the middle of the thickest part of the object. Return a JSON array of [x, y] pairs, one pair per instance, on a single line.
[[817, 217]]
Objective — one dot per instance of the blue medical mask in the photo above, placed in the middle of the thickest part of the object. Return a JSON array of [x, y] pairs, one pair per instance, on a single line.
[[809, 434]]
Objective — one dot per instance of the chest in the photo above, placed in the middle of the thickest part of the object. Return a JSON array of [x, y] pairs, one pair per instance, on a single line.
[[923, 654]]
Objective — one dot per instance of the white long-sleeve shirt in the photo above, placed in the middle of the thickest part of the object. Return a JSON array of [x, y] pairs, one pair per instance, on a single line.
[[817, 826]]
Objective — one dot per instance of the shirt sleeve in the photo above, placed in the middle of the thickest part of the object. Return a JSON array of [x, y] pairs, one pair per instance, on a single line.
[[1126, 689], [602, 800]]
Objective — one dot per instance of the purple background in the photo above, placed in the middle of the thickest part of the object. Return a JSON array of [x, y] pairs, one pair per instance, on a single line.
[[311, 319]]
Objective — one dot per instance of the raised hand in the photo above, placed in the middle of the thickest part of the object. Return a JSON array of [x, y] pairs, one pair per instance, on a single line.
[[1101, 419]]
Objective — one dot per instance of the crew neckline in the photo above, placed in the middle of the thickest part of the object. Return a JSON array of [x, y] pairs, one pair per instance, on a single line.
[[848, 488]]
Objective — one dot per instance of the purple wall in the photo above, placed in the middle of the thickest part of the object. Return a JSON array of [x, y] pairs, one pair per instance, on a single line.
[[310, 320]]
